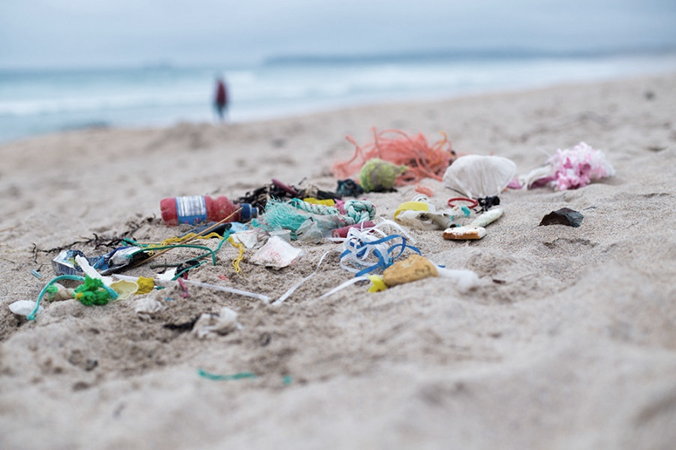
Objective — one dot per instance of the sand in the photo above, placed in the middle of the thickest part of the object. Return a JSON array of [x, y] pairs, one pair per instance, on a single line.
[[568, 342]]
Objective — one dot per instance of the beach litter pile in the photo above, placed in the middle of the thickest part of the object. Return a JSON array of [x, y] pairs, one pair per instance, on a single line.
[[276, 225]]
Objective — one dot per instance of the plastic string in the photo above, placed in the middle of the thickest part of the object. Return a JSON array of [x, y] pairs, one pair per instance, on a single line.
[[422, 159], [216, 377], [31, 316], [342, 286], [263, 298], [293, 288], [240, 257], [360, 246], [472, 202]]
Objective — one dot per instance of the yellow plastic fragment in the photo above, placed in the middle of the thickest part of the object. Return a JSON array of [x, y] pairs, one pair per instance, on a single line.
[[411, 206], [377, 283], [145, 285], [315, 201], [124, 289]]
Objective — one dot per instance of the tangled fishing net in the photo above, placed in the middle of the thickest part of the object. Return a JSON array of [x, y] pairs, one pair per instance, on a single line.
[[421, 159]]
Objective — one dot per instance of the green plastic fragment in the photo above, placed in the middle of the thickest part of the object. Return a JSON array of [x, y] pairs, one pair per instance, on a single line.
[[216, 377], [92, 292]]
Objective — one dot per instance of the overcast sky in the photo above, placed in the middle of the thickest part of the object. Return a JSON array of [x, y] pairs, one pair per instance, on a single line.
[[63, 33]]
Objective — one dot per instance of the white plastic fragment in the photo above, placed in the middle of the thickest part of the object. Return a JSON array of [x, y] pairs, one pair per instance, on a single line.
[[24, 307], [478, 176], [487, 218], [222, 323], [474, 230], [464, 279], [425, 220], [276, 253], [91, 272], [464, 233], [166, 276], [148, 306], [248, 238]]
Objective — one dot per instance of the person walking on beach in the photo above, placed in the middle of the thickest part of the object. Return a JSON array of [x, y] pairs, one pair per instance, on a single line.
[[221, 100]]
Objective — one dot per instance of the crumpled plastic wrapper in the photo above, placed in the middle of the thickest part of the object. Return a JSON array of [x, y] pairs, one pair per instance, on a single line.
[[147, 306], [210, 324], [276, 253]]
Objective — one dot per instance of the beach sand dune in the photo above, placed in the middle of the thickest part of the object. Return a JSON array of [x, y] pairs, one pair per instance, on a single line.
[[568, 342]]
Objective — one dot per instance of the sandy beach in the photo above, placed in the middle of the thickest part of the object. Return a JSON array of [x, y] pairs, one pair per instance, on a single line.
[[568, 342]]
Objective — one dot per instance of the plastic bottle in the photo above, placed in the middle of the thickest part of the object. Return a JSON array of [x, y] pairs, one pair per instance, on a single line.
[[202, 208]]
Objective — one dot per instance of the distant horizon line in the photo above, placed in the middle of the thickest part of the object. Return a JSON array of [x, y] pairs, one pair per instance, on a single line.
[[460, 54]]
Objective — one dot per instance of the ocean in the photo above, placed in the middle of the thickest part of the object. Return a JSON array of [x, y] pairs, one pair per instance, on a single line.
[[34, 102]]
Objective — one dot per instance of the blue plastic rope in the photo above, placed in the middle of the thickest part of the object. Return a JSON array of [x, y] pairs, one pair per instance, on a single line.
[[384, 261]]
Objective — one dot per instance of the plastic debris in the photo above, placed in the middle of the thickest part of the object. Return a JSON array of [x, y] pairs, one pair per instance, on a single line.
[[25, 308], [263, 298], [476, 229], [570, 169], [464, 233], [423, 216], [57, 292], [124, 288], [216, 377], [349, 188], [203, 208], [249, 238], [342, 232], [147, 306], [312, 222], [421, 159], [417, 268], [413, 268], [92, 292], [293, 288], [563, 216], [377, 283], [377, 175], [210, 324], [479, 176], [276, 253], [365, 251], [282, 234], [465, 280], [66, 261]]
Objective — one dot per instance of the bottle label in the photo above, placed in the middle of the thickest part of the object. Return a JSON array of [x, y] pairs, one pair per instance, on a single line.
[[191, 210]]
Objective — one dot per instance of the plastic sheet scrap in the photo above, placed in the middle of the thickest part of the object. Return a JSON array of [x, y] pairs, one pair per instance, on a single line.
[[224, 322], [276, 253], [570, 169]]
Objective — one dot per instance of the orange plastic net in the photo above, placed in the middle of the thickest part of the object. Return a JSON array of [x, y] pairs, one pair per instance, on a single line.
[[422, 159]]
